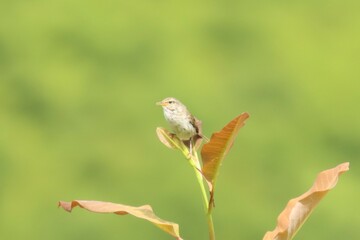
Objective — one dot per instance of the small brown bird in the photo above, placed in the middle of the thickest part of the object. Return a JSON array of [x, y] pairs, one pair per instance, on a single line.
[[186, 127]]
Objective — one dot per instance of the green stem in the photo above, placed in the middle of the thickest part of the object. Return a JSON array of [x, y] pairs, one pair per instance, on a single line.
[[211, 226], [194, 161]]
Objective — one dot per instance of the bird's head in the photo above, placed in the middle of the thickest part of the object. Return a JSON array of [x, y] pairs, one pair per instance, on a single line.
[[170, 103]]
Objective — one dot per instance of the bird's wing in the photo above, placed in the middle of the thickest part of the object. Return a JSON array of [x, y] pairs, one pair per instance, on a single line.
[[199, 135]]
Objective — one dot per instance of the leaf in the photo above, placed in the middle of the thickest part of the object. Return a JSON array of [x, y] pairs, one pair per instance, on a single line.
[[214, 152], [168, 139], [144, 212], [298, 209]]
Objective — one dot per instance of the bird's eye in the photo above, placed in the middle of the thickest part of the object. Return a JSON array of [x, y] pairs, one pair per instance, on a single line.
[[171, 102]]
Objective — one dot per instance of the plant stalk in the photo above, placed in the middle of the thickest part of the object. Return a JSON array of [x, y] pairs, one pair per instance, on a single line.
[[194, 161]]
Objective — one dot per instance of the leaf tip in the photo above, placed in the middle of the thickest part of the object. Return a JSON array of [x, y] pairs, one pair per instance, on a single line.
[[344, 167], [65, 205], [245, 115]]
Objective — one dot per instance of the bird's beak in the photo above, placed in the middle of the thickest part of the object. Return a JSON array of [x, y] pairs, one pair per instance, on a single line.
[[161, 104]]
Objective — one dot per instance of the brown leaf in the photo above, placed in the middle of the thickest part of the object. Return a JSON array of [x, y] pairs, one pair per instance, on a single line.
[[214, 152], [298, 209], [170, 140], [144, 212], [167, 138]]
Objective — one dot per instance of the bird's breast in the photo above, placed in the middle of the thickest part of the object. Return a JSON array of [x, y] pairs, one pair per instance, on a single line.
[[180, 124]]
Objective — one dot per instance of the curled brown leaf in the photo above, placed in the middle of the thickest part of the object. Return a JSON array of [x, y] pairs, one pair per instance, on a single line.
[[144, 212], [298, 209], [167, 138]]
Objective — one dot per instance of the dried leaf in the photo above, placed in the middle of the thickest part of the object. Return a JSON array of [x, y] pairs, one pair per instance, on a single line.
[[167, 138], [144, 212], [214, 152], [298, 209]]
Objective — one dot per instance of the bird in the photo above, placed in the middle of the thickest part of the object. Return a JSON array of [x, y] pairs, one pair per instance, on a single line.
[[185, 126]]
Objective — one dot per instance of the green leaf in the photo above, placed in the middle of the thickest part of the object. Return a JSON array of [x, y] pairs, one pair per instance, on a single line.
[[214, 152]]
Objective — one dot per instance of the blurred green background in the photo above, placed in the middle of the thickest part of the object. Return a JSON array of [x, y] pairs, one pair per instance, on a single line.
[[78, 86]]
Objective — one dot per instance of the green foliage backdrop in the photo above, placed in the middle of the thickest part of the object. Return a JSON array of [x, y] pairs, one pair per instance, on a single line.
[[78, 86]]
